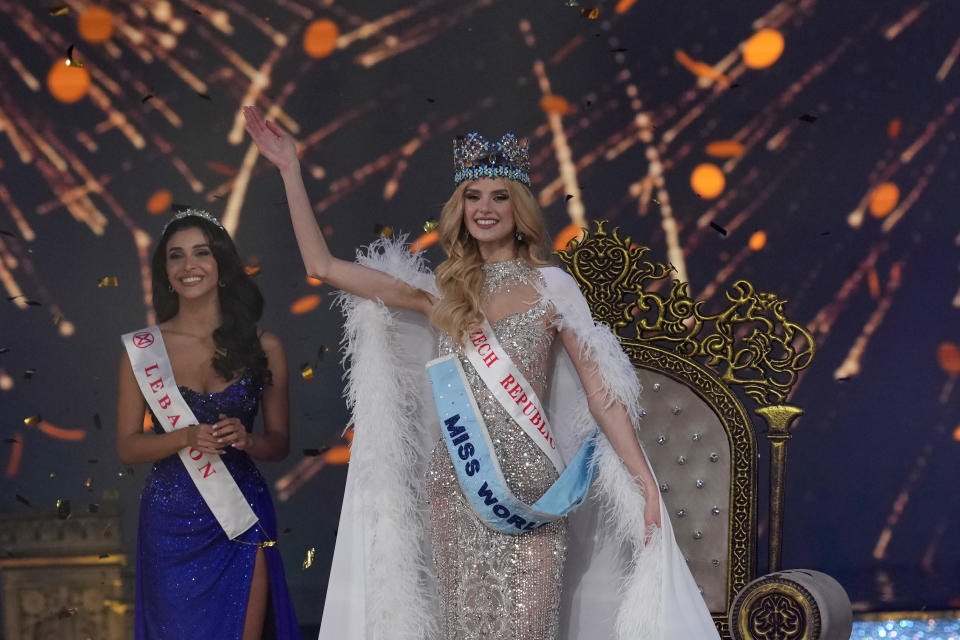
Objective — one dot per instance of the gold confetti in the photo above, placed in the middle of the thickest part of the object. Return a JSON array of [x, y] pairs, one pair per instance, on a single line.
[[107, 281], [60, 10], [74, 63], [383, 230], [220, 352], [32, 421], [306, 371], [308, 561], [63, 509], [268, 543], [590, 14], [88, 483], [430, 225], [251, 271]]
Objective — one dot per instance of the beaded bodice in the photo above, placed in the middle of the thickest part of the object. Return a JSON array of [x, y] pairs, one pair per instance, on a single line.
[[240, 400]]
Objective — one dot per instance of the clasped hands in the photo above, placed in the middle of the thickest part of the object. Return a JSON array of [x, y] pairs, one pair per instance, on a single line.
[[213, 438]]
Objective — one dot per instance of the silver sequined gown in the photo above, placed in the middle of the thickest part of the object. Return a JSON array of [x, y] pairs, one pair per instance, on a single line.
[[493, 585]]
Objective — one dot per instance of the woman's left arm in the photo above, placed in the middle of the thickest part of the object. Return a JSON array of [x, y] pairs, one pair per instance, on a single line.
[[615, 424], [274, 443]]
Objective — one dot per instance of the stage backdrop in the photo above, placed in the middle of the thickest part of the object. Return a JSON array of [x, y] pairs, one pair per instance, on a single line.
[[808, 146]]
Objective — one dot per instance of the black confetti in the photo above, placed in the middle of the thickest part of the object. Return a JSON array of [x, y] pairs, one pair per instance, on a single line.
[[96, 422], [431, 100], [204, 96], [34, 303], [824, 233], [808, 118], [103, 555], [718, 228], [145, 98], [315, 452], [286, 531], [23, 500], [618, 50], [4, 232], [11, 440], [93, 461], [568, 198], [4, 350], [63, 509]]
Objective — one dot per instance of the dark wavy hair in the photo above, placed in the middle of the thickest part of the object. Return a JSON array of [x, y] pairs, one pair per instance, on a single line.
[[241, 303]]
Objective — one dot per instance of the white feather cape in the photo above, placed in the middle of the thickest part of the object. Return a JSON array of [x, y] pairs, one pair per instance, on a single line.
[[381, 583]]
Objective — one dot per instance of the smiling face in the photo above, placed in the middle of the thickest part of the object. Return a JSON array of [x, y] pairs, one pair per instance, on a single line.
[[190, 265], [488, 216]]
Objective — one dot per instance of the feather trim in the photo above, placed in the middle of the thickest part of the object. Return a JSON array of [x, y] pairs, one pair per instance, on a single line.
[[388, 452]]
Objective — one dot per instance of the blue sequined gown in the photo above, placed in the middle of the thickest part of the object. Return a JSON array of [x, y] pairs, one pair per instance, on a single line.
[[193, 582]]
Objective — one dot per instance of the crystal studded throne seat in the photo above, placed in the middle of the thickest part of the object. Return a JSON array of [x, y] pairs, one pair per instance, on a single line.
[[699, 372]]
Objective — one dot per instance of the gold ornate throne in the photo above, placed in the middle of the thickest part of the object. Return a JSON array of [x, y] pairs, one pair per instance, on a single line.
[[700, 371]]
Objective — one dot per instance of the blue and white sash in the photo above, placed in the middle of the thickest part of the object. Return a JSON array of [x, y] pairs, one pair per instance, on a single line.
[[151, 366], [474, 459]]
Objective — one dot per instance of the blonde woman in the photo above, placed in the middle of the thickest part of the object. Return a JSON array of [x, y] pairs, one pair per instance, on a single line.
[[454, 518]]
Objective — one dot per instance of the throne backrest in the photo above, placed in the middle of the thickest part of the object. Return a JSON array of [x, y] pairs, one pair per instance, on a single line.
[[698, 371]]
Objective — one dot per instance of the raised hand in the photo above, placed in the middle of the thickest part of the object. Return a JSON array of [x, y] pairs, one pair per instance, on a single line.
[[274, 143]]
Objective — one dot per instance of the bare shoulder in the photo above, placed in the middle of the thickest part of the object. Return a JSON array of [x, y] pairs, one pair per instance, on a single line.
[[270, 342]]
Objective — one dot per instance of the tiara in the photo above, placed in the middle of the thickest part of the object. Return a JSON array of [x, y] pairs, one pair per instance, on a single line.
[[476, 157], [194, 213]]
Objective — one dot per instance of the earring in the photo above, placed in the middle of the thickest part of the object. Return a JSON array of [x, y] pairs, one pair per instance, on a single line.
[[518, 234], [169, 288], [221, 284]]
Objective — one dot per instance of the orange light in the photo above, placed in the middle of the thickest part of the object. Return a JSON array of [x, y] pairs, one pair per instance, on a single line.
[[159, 202], [320, 38], [763, 48], [570, 232], [424, 241], [61, 434], [758, 240], [708, 180], [306, 304], [314, 282], [883, 199], [624, 5], [873, 282], [725, 149], [96, 24], [956, 433], [700, 69], [337, 455], [948, 355], [555, 104], [16, 453], [894, 128], [68, 83]]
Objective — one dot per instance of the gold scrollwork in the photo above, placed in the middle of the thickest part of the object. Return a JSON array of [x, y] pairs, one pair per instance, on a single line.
[[775, 609], [751, 342]]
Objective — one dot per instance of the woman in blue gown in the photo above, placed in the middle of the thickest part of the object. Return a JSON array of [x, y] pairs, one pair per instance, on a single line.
[[192, 580]]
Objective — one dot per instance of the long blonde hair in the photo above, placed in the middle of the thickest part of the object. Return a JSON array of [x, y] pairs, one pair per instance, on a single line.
[[460, 276]]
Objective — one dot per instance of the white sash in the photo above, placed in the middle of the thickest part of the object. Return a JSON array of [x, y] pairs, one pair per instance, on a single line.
[[154, 374], [511, 389]]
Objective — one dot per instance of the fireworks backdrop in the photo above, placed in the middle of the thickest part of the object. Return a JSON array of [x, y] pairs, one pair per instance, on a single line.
[[807, 146]]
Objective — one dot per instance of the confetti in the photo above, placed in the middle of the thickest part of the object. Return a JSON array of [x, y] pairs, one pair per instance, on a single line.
[[103, 556], [63, 509], [56, 320], [4, 349], [431, 100], [23, 500], [107, 281], [568, 198], [718, 228], [430, 225], [4, 232], [32, 421], [220, 352], [93, 461], [29, 373], [383, 230], [308, 561], [286, 531], [146, 97], [251, 271], [34, 303], [88, 483], [618, 50], [71, 62], [315, 452], [590, 14], [808, 118], [67, 612], [306, 371], [11, 440], [204, 96], [60, 10], [96, 421], [321, 352]]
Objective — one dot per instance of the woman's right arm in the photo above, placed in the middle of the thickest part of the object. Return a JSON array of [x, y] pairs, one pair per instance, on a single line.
[[133, 444], [278, 147]]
